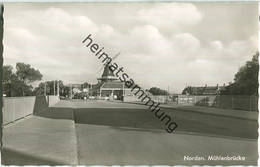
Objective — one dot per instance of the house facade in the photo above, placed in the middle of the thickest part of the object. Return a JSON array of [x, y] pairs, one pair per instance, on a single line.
[[109, 86]]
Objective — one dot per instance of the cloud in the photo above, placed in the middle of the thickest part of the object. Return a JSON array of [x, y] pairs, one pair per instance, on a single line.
[[216, 45], [170, 15], [156, 47]]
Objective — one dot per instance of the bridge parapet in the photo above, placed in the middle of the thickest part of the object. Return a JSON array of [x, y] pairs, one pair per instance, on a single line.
[[15, 108]]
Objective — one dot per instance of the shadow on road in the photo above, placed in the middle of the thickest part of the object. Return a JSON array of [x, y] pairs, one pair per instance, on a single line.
[[140, 119], [14, 157], [144, 120], [118, 117], [56, 113]]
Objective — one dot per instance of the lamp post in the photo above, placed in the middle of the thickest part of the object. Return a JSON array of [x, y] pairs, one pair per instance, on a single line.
[[90, 90], [45, 89], [54, 88], [71, 91], [58, 88]]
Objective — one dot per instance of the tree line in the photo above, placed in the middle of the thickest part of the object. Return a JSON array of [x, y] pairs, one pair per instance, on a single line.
[[18, 82], [245, 80]]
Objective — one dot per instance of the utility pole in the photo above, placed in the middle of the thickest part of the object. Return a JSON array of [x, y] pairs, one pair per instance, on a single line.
[[91, 89], [45, 89], [54, 88], [71, 91], [58, 88], [168, 97], [123, 90]]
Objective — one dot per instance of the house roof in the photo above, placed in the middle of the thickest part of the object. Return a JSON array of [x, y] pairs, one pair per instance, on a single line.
[[113, 84], [210, 90], [96, 87], [207, 90], [107, 72]]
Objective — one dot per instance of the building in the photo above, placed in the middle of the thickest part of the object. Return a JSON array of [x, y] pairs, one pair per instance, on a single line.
[[205, 90], [109, 86]]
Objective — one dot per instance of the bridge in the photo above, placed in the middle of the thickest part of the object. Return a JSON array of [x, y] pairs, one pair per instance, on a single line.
[[81, 132]]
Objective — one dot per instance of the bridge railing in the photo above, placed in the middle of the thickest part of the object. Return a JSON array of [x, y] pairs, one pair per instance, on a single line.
[[235, 102], [15, 108]]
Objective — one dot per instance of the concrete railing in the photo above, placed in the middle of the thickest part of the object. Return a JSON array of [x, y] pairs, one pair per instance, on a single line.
[[52, 99], [158, 99], [15, 108], [131, 99]]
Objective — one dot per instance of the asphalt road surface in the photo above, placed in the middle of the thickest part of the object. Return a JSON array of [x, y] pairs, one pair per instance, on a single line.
[[114, 133]]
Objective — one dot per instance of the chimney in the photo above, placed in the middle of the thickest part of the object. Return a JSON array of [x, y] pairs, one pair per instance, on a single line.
[[205, 85]]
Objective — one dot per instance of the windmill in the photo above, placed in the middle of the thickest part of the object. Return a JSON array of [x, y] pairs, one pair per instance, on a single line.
[[106, 63]]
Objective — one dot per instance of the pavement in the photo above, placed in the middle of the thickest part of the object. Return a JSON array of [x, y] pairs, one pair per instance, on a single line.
[[112, 133], [104, 145], [39, 140]]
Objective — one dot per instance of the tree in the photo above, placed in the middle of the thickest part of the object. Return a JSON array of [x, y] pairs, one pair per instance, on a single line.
[[187, 90], [7, 73], [158, 91], [65, 91], [246, 79], [12, 86], [85, 85], [39, 90], [26, 74], [7, 79], [18, 84]]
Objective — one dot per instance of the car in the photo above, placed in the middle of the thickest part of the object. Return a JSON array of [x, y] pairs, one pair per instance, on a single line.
[[62, 98], [92, 97]]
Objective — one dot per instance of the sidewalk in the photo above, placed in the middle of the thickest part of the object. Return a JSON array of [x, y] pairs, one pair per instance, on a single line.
[[48, 139]]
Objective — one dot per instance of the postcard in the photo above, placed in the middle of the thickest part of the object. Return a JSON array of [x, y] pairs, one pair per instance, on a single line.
[[129, 83]]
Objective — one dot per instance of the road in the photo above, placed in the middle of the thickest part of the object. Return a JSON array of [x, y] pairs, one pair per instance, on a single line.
[[109, 133]]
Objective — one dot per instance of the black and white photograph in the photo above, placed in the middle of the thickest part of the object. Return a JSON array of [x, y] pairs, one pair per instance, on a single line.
[[129, 83]]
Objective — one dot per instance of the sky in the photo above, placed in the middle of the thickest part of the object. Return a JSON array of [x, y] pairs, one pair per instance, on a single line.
[[166, 45]]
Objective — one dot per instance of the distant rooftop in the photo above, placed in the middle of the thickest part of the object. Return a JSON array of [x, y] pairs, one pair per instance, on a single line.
[[205, 90]]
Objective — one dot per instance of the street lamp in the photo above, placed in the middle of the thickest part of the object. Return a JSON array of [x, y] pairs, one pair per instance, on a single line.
[[58, 88], [45, 88]]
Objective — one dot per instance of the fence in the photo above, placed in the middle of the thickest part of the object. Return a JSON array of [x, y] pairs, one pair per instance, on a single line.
[[15, 108], [160, 99], [248, 103]]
